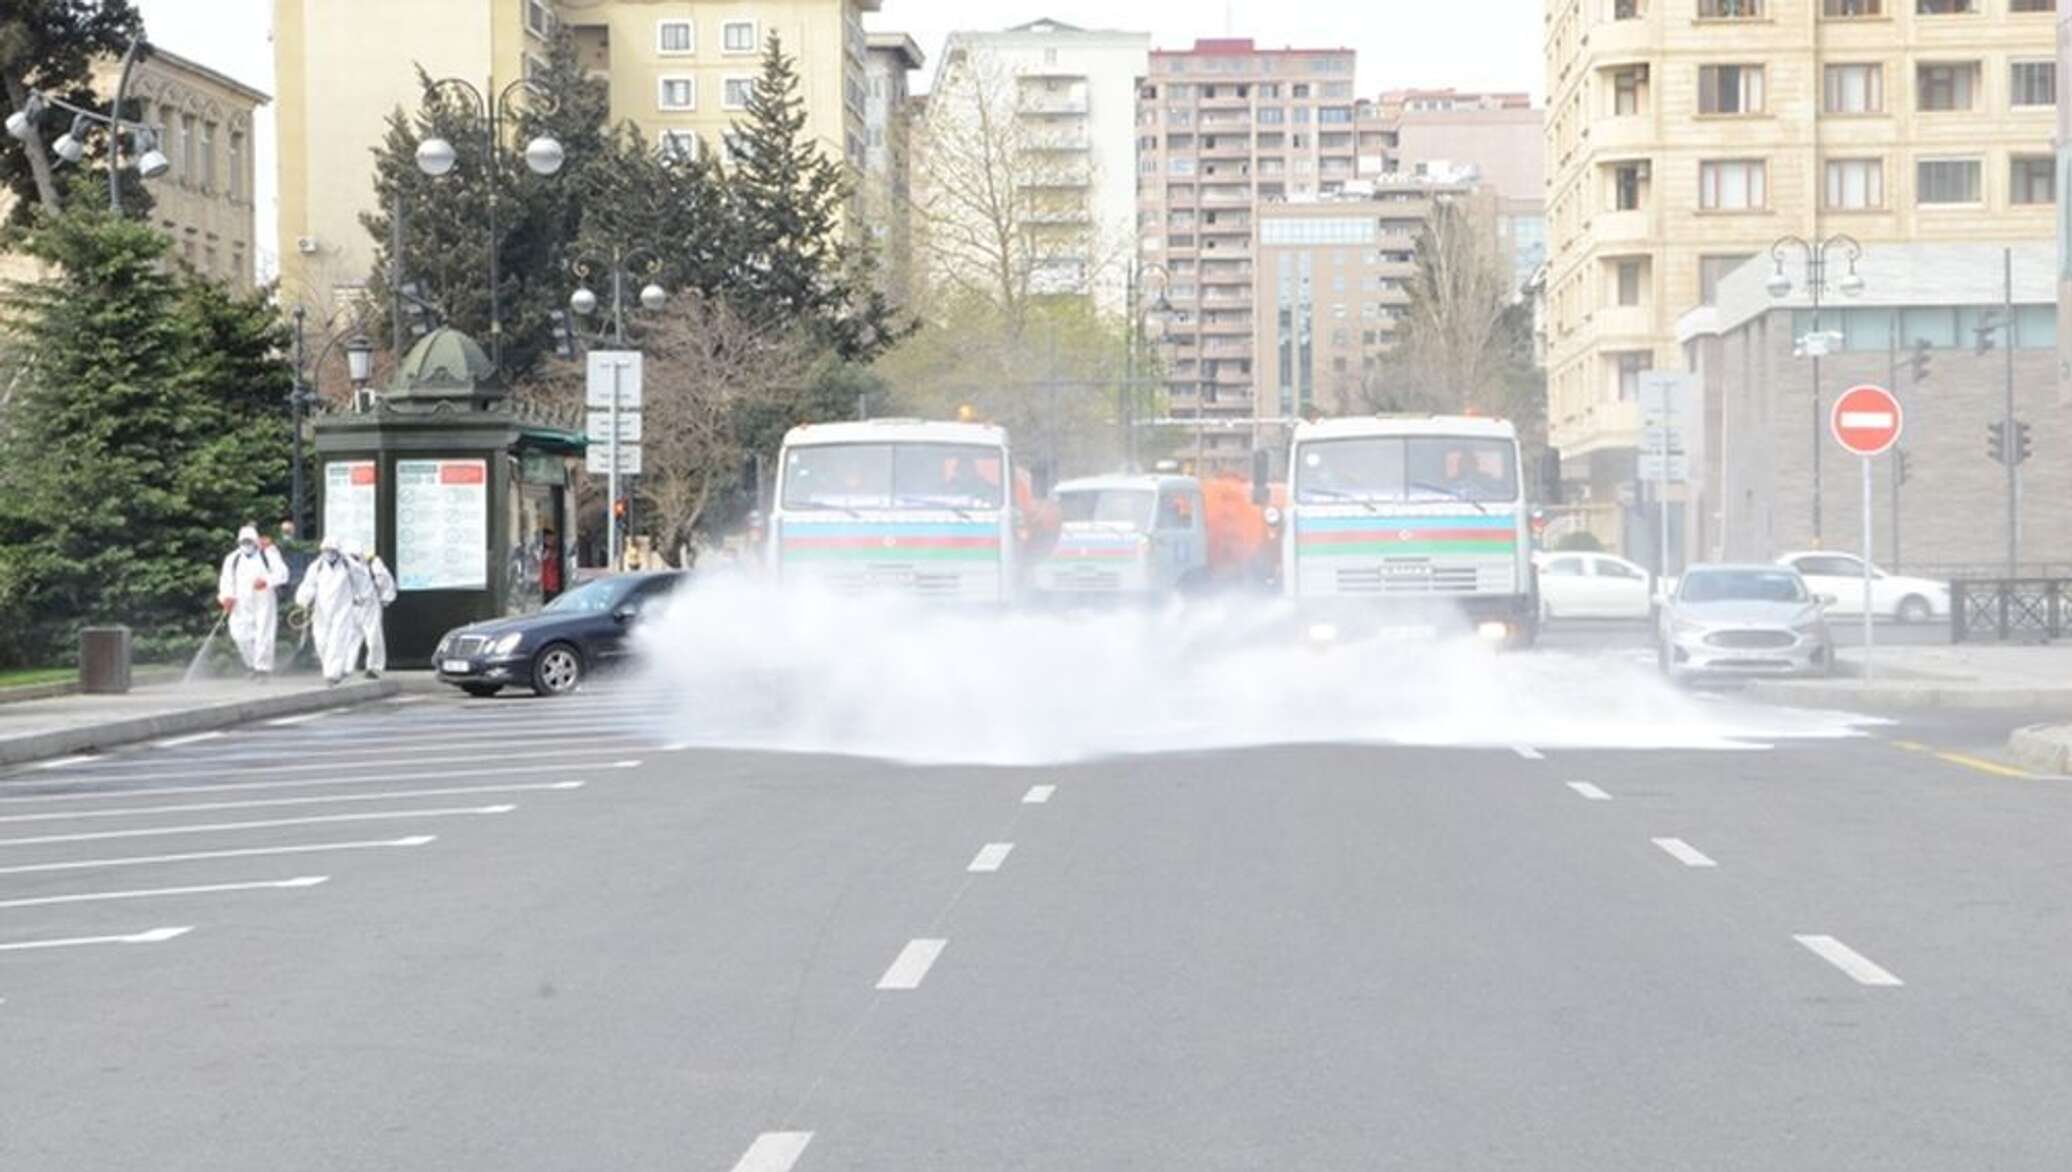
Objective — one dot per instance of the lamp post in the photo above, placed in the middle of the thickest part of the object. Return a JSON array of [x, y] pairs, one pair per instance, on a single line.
[[543, 156], [619, 265], [359, 364], [70, 146], [1139, 322], [1814, 344]]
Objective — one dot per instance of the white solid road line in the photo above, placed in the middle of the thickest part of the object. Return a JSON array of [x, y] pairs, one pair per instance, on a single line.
[[63, 762], [1858, 966], [1528, 752], [189, 739], [228, 787], [269, 768], [1589, 791], [205, 889], [774, 1151], [912, 964], [154, 936], [1038, 794], [261, 803], [990, 856], [305, 718], [243, 853], [268, 824], [1683, 852]]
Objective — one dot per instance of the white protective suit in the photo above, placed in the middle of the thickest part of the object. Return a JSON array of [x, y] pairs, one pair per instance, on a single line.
[[332, 588], [370, 608], [251, 577]]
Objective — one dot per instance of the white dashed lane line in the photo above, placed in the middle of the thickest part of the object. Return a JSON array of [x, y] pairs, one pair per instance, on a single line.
[[1683, 852], [1589, 791], [912, 964], [1860, 968], [774, 1151], [1528, 752], [990, 856], [1038, 794], [155, 892]]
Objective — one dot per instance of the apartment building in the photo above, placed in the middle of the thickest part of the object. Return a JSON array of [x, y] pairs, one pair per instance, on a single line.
[[887, 188], [1226, 130], [1047, 109], [679, 69], [1686, 136], [1448, 134]]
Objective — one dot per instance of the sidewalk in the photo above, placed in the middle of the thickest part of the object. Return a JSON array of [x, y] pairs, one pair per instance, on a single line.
[[61, 725], [1989, 675]]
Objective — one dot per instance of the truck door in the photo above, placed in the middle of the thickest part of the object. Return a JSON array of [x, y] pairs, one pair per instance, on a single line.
[[1174, 537]]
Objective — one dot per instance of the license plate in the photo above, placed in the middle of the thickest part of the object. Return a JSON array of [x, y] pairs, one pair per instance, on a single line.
[[457, 666]]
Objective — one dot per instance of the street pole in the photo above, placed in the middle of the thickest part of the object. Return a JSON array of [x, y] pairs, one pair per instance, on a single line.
[[395, 277], [1816, 276], [1898, 455], [1867, 567], [611, 508], [129, 58], [1662, 483], [1129, 370], [2010, 446], [297, 394]]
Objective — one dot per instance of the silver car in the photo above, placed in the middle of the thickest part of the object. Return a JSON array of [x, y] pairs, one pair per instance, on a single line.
[[1752, 620]]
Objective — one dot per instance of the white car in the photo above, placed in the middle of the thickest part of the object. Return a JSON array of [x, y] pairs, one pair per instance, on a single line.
[[1575, 585], [1840, 576]]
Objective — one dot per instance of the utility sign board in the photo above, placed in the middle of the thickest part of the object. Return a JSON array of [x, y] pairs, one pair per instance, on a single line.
[[1667, 407], [1866, 420], [609, 369], [598, 459], [599, 427]]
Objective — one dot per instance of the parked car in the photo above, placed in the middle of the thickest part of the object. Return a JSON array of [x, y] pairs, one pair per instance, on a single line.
[[1593, 585], [554, 650], [1910, 600], [1744, 620]]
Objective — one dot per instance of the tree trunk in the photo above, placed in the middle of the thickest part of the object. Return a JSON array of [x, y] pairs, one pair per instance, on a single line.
[[32, 144]]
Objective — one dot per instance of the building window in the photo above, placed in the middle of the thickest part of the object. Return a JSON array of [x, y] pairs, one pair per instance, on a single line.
[[2032, 5], [674, 38], [1629, 181], [539, 18], [737, 36], [1855, 89], [1730, 9], [681, 146], [735, 92], [2032, 83], [1855, 184], [677, 93], [1945, 7], [1847, 9], [188, 170], [1299, 90], [1710, 271], [1629, 280], [1947, 181], [1948, 86], [1627, 10], [1629, 86], [1627, 367], [236, 182], [1730, 89], [2033, 179], [208, 157], [1732, 185], [1270, 115]]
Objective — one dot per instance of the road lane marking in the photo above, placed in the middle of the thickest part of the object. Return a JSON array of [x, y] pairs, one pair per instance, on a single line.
[[1984, 766], [990, 856], [229, 786], [1038, 794], [1683, 852], [1850, 961], [774, 1151], [190, 739], [1589, 791], [305, 718], [261, 803], [1528, 752], [264, 769], [912, 964], [147, 893], [1910, 746], [317, 766], [154, 936], [242, 853], [64, 762], [268, 824]]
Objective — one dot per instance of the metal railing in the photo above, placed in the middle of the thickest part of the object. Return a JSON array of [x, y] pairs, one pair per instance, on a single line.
[[2009, 609]]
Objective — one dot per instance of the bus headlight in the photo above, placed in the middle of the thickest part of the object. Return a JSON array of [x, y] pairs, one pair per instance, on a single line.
[[1323, 633], [1493, 632], [1273, 516]]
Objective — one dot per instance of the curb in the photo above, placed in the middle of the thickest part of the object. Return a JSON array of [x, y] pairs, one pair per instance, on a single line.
[[2042, 748], [1910, 696], [86, 738]]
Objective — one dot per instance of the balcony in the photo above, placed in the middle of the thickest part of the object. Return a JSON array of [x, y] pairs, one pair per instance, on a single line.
[[1226, 119], [1232, 346], [1241, 101], [1058, 178], [1230, 377], [1058, 216], [1622, 227], [1227, 274], [1237, 149], [1048, 143], [1043, 105], [1225, 195], [1226, 295], [1228, 327], [1228, 225], [1631, 134]]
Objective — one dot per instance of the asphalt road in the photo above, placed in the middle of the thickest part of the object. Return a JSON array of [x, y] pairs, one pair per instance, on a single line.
[[521, 935]]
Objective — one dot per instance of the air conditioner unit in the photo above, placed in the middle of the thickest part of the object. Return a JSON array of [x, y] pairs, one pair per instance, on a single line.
[[306, 245]]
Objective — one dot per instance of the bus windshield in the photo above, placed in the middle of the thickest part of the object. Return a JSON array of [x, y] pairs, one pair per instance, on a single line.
[[1422, 468], [893, 476]]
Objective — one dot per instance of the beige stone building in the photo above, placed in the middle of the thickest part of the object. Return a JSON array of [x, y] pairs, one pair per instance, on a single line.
[[1226, 130], [1685, 136], [887, 187], [677, 68]]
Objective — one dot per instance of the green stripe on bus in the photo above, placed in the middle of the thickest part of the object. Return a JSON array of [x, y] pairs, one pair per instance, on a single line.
[[1401, 548]]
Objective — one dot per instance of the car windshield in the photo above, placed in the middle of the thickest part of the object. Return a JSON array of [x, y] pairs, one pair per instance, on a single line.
[[1742, 586], [1127, 506], [1407, 469], [594, 597], [893, 476]]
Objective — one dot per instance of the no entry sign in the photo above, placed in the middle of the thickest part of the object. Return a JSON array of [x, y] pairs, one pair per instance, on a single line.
[[1866, 420]]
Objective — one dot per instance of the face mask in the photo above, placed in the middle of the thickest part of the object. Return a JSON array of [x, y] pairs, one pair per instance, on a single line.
[[249, 548], [330, 557]]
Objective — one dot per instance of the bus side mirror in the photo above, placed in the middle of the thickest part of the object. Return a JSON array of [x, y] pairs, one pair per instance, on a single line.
[[1261, 468], [1550, 475]]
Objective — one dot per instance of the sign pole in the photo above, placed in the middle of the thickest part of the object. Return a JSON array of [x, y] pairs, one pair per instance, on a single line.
[[1662, 483], [1867, 608], [611, 505]]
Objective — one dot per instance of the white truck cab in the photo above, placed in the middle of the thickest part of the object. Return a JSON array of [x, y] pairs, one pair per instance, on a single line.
[[1126, 535]]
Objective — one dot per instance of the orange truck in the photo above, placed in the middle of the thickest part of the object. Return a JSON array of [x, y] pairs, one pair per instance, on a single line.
[[1153, 534]]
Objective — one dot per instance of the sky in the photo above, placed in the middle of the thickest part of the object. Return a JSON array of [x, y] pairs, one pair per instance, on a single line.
[[1476, 44]]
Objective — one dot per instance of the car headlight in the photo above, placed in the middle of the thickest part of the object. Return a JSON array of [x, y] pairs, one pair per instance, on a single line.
[[507, 644]]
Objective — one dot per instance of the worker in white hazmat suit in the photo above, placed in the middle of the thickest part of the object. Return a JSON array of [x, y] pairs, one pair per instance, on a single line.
[[251, 576], [332, 589], [382, 593]]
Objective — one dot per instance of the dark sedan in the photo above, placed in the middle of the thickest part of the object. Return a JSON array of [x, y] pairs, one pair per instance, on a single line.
[[582, 631]]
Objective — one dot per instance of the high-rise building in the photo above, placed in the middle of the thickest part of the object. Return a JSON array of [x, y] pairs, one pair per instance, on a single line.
[[679, 71], [1497, 139], [1042, 114], [1226, 129], [886, 188], [1687, 136]]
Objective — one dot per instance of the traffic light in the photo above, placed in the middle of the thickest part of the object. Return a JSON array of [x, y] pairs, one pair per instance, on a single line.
[[2021, 441], [1996, 442], [1919, 359], [1899, 466], [564, 335]]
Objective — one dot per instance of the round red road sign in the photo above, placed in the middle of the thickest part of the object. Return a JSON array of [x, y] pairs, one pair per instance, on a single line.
[[1866, 420]]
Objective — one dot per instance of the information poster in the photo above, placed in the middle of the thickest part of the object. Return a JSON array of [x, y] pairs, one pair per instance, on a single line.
[[442, 524], [349, 503]]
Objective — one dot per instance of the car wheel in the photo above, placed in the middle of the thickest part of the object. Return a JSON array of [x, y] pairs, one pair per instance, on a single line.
[[1915, 609], [482, 691], [556, 670]]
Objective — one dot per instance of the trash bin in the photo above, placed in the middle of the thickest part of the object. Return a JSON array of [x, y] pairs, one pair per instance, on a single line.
[[104, 659]]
